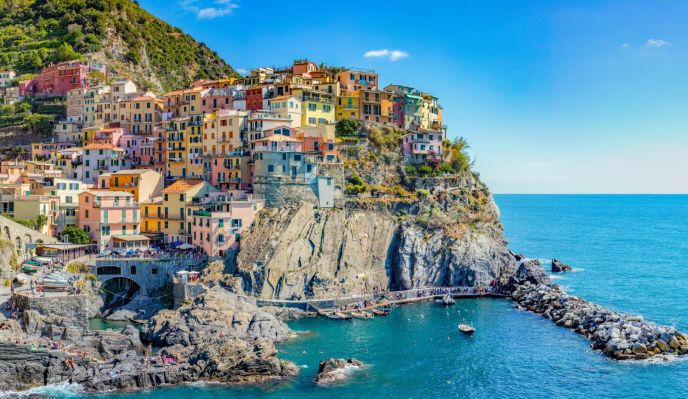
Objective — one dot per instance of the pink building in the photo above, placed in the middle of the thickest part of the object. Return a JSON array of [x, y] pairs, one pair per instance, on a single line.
[[151, 154], [111, 218], [131, 144], [108, 136], [58, 79], [215, 99], [217, 225], [422, 145]]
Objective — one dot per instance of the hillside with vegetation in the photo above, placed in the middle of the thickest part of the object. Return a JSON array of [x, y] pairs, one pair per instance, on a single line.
[[134, 43]]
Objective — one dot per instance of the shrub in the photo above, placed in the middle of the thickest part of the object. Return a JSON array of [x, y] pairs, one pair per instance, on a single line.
[[349, 140], [346, 127], [410, 170], [425, 169], [422, 193], [78, 268], [356, 180]]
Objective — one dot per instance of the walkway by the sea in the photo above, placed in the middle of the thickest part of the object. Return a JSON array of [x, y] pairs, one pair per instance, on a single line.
[[378, 299]]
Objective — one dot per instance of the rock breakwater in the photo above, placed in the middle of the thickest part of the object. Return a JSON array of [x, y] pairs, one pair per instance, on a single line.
[[619, 336]]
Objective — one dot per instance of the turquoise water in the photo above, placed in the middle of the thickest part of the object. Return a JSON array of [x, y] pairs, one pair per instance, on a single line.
[[631, 253]]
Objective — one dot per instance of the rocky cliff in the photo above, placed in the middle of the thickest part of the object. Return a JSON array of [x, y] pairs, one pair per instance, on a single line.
[[308, 252]]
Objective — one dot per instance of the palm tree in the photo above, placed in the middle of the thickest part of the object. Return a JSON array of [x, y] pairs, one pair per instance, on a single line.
[[18, 151]]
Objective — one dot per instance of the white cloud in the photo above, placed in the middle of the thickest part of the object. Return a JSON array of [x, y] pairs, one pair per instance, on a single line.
[[392, 55], [625, 45], [242, 71], [657, 43], [220, 8]]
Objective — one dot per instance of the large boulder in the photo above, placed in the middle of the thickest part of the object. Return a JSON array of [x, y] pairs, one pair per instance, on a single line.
[[333, 371], [215, 314], [560, 267]]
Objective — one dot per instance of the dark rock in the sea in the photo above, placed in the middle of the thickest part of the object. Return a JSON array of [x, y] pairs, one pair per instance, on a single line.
[[526, 271], [560, 267], [333, 371], [617, 335]]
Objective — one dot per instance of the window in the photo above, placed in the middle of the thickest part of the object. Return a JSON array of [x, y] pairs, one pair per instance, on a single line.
[[271, 168], [132, 270], [311, 107], [326, 108], [154, 270]]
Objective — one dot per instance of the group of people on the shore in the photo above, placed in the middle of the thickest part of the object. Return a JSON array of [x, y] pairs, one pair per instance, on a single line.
[[159, 359]]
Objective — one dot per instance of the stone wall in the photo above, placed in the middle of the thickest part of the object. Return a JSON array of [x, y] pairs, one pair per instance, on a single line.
[[76, 309], [181, 292], [20, 235], [279, 195]]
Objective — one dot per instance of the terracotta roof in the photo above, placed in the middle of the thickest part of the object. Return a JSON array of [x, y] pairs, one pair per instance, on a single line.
[[183, 185], [98, 146], [98, 192], [132, 171]]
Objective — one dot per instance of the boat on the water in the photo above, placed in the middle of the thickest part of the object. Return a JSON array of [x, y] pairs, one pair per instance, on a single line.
[[466, 329], [337, 316], [380, 312], [362, 315], [446, 300]]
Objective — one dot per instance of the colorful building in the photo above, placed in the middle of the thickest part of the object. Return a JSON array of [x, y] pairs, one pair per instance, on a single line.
[[58, 79], [143, 184], [111, 218], [176, 206], [219, 221], [422, 145]]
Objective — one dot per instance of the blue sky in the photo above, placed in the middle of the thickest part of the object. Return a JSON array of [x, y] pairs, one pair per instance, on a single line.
[[553, 96]]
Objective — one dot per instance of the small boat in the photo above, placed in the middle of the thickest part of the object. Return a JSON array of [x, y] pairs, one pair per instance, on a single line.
[[362, 315], [446, 300], [380, 312], [342, 316], [55, 281], [337, 316], [466, 329], [30, 266], [22, 278]]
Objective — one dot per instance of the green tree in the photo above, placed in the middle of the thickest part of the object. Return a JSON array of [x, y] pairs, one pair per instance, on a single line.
[[65, 52], [346, 127], [75, 235]]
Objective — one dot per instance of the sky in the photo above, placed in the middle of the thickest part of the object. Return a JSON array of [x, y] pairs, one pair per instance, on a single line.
[[553, 96]]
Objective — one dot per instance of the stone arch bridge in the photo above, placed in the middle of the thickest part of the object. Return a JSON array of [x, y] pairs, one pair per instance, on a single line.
[[147, 274]]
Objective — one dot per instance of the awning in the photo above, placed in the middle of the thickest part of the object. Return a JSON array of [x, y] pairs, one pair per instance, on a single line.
[[130, 237], [186, 246]]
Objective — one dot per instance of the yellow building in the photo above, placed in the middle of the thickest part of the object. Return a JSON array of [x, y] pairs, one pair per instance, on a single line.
[[185, 147], [316, 107], [138, 115], [348, 105], [152, 217], [144, 184], [183, 103], [177, 200], [222, 131]]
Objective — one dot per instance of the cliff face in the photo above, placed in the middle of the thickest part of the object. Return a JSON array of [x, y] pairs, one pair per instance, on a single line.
[[322, 253]]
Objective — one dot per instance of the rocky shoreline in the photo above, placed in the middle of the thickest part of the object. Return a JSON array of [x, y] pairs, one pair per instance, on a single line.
[[221, 337], [619, 336]]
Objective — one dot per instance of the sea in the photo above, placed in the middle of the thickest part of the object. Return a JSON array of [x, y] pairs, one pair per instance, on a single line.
[[630, 253]]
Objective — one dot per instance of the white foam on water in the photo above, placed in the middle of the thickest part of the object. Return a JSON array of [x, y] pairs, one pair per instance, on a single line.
[[63, 390], [658, 360]]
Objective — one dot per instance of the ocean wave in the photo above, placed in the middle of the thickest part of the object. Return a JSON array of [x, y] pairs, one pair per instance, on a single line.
[[658, 360], [62, 390]]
